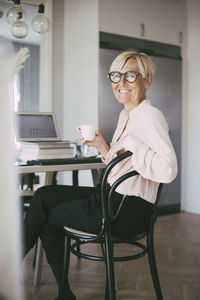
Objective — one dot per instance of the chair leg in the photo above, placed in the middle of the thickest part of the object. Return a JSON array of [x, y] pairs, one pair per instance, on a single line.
[[66, 270], [103, 249], [153, 267], [38, 263], [110, 273], [106, 288], [79, 250], [35, 254]]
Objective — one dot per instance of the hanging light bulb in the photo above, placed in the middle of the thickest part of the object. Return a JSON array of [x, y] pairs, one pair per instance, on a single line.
[[19, 29], [12, 14], [41, 23]]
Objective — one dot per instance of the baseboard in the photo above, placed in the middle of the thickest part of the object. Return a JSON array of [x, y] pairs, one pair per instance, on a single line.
[[169, 209]]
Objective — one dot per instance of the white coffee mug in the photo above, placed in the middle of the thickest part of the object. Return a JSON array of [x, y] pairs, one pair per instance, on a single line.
[[87, 132]]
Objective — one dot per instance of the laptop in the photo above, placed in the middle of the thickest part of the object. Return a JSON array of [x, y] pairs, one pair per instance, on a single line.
[[36, 127], [41, 128]]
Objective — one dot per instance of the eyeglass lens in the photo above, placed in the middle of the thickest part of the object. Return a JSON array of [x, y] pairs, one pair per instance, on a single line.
[[115, 77]]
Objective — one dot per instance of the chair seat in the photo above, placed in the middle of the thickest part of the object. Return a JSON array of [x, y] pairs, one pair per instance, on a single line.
[[117, 239], [79, 232]]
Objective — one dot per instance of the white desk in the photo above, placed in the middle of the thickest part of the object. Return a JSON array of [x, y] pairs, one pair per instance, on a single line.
[[49, 170]]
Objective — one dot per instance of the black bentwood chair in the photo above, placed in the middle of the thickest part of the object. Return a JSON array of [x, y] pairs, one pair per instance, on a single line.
[[107, 240]]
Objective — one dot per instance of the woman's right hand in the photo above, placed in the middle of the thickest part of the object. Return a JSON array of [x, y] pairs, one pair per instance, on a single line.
[[98, 142]]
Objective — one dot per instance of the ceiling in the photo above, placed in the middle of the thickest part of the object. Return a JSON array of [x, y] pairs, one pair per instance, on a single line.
[[31, 9]]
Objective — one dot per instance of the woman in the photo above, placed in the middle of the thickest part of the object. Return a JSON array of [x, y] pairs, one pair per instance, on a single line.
[[141, 129]]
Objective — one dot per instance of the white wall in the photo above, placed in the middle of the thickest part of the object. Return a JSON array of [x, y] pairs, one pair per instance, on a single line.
[[77, 71], [81, 46], [46, 61], [58, 59], [191, 142]]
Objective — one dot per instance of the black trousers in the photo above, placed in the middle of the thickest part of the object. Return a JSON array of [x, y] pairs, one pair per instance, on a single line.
[[53, 207]]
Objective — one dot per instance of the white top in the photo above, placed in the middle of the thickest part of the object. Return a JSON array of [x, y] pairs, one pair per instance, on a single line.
[[144, 132]]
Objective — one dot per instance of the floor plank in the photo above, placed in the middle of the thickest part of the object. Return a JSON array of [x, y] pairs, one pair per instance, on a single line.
[[177, 244]]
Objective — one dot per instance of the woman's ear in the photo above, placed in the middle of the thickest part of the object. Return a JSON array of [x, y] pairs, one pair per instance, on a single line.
[[148, 82]]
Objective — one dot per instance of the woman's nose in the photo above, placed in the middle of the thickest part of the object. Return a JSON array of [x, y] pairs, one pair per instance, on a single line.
[[122, 79]]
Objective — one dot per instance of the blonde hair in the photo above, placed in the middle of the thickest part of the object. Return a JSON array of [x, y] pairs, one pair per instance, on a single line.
[[145, 64]]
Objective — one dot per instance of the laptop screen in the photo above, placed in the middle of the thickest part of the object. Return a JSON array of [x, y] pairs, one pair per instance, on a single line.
[[36, 127]]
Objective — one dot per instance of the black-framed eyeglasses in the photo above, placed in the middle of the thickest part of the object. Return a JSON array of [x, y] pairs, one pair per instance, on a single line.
[[130, 76]]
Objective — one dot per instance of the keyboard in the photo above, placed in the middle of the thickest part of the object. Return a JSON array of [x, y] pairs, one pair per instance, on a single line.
[[64, 161]]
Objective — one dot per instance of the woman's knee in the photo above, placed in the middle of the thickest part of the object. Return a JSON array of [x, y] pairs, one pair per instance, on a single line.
[[41, 197], [50, 196], [44, 189]]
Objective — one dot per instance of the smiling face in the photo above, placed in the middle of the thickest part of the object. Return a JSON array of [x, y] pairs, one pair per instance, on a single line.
[[131, 94]]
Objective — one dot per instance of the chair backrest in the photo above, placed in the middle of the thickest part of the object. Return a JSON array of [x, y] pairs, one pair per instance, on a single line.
[[154, 212], [106, 198], [106, 202]]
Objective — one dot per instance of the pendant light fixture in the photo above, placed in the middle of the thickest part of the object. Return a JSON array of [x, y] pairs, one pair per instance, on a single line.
[[41, 23], [13, 12], [19, 29], [16, 18]]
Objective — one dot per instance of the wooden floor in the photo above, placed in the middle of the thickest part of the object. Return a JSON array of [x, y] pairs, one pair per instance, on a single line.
[[177, 243]]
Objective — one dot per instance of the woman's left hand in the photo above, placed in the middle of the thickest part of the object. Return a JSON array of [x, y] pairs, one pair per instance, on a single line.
[[116, 149]]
